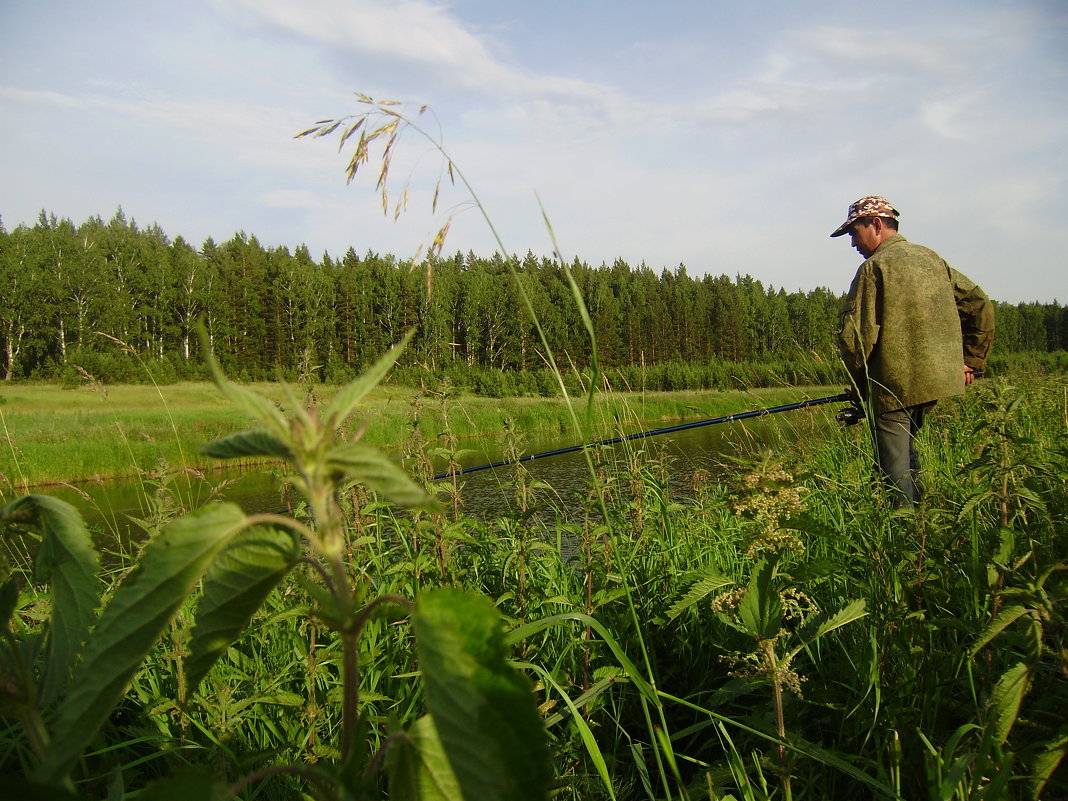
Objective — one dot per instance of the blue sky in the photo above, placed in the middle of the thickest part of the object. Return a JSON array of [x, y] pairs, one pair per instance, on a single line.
[[729, 137]]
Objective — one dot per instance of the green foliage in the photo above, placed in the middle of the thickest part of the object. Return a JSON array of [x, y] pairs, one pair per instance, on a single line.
[[481, 725], [482, 710], [109, 299], [68, 563], [937, 670], [142, 606]]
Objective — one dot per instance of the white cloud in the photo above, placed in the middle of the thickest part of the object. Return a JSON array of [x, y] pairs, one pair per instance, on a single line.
[[878, 55], [32, 97], [415, 32], [952, 117]]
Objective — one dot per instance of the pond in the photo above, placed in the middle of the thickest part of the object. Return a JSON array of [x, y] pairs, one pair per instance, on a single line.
[[113, 508]]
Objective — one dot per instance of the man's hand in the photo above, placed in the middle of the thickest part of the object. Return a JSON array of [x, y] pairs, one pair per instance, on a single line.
[[852, 393], [969, 376]]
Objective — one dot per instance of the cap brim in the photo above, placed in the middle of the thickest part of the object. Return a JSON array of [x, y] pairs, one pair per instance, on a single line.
[[841, 229]]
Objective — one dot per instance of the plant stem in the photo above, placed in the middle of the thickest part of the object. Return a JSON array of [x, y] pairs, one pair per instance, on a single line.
[[768, 646]]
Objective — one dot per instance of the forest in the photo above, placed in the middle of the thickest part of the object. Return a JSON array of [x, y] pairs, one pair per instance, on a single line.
[[102, 298]]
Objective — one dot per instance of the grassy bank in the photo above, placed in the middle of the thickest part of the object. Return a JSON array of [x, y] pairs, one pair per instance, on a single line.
[[781, 636], [51, 434]]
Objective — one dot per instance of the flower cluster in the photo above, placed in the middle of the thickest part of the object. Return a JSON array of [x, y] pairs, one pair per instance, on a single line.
[[761, 665], [769, 498]]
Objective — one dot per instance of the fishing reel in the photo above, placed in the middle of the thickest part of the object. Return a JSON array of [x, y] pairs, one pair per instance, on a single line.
[[851, 414]]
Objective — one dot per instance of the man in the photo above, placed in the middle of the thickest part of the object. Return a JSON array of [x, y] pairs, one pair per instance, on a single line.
[[913, 330]]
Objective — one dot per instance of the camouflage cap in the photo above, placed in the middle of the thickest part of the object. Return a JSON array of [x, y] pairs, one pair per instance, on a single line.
[[870, 206]]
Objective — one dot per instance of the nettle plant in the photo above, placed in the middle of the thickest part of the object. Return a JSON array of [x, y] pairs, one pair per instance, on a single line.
[[780, 621], [481, 736]]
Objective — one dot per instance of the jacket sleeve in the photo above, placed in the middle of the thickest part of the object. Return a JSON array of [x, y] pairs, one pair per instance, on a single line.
[[976, 319], [858, 327]]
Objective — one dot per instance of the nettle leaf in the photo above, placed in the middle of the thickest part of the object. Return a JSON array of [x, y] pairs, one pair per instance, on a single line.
[[697, 592], [234, 587], [1001, 621], [379, 473], [484, 711], [1006, 700], [342, 404], [418, 768], [68, 562], [256, 442], [1046, 762], [143, 605], [825, 624], [761, 609]]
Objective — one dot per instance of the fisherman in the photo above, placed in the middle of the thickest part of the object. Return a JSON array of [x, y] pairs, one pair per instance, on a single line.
[[908, 320]]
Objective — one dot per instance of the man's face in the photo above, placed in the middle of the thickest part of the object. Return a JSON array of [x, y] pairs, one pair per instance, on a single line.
[[864, 237]]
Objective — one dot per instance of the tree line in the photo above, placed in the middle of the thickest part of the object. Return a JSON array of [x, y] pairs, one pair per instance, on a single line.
[[109, 299]]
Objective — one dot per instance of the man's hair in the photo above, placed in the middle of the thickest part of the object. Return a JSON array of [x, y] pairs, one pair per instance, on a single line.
[[888, 222]]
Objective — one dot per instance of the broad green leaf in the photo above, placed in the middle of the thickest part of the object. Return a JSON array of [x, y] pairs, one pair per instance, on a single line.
[[234, 587], [418, 768], [1002, 620], [68, 562], [1045, 763], [345, 400], [698, 591], [141, 608], [854, 610], [1005, 703], [484, 710], [256, 442], [760, 609], [377, 472]]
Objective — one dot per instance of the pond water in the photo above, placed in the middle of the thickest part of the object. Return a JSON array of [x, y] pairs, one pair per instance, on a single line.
[[700, 454]]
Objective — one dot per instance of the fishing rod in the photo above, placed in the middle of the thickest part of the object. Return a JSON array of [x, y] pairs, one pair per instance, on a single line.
[[847, 416]]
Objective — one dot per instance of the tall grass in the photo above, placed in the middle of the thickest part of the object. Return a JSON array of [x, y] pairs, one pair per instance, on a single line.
[[882, 698]]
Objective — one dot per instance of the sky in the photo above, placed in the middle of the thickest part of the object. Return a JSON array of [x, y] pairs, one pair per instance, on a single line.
[[725, 137]]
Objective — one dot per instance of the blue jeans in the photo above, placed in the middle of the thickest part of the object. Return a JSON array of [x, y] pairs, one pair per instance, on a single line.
[[895, 452]]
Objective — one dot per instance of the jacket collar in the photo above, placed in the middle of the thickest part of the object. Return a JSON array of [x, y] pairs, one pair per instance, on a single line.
[[889, 241]]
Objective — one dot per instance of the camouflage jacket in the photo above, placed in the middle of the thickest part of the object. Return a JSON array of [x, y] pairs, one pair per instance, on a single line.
[[909, 325]]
